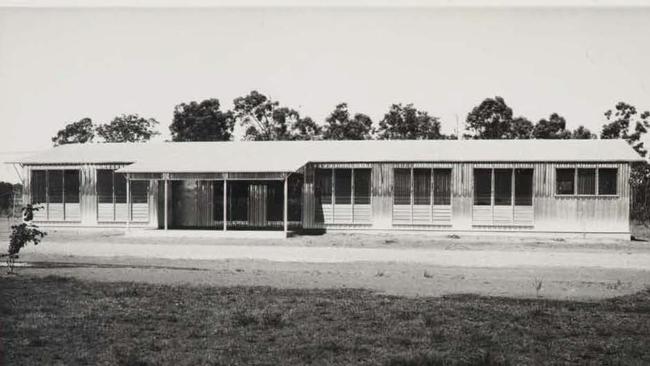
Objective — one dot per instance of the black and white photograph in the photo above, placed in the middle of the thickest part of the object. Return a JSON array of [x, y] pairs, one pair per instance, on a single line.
[[407, 183]]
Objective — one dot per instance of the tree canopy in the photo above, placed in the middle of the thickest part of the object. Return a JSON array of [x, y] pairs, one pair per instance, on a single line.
[[78, 132], [405, 122], [128, 128], [340, 126], [520, 128], [201, 121], [265, 120], [492, 119], [552, 128], [582, 133], [620, 121]]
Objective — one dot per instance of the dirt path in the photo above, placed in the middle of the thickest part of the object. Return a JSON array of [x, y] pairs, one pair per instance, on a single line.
[[401, 265], [499, 258], [360, 240], [407, 279]]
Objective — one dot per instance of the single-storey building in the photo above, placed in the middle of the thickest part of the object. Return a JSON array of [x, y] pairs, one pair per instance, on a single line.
[[532, 187]]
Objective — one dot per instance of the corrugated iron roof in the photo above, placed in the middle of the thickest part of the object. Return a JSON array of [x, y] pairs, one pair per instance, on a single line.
[[288, 156]]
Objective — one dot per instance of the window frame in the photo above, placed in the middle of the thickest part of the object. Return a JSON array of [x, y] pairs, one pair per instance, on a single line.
[[616, 185], [596, 193], [128, 194], [331, 173], [493, 191], [432, 186], [532, 182], [47, 191], [574, 186], [428, 176], [584, 171], [434, 196]]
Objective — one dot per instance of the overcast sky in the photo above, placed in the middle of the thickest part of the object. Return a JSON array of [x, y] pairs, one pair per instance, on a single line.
[[60, 65]]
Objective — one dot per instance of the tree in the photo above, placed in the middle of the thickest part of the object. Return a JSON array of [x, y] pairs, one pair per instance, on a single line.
[[492, 119], [306, 129], [128, 128], [520, 128], [202, 121], [619, 122], [408, 123], [265, 120], [552, 128], [339, 125], [75, 133], [582, 133]]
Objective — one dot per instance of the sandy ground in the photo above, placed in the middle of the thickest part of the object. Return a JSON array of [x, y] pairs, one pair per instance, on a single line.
[[357, 240], [409, 279], [348, 248], [398, 265]]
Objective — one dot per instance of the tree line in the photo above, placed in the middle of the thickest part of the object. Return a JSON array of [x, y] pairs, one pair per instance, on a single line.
[[265, 119]]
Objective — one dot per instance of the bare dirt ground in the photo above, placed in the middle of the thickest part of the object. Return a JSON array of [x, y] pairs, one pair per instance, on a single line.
[[408, 279], [408, 265], [355, 240]]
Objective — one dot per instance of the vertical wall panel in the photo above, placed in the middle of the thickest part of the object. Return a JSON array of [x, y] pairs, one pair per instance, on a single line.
[[153, 203], [462, 196], [381, 188], [309, 199]]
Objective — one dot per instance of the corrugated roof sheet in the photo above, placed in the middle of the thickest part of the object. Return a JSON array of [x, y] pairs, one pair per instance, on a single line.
[[287, 156]]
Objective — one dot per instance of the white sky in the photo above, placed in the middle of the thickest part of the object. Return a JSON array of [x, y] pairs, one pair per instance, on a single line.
[[60, 65]]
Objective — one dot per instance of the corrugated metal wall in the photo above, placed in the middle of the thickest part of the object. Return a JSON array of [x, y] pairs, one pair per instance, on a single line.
[[88, 194], [551, 213]]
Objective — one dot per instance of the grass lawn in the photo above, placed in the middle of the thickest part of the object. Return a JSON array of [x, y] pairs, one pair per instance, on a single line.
[[55, 320]]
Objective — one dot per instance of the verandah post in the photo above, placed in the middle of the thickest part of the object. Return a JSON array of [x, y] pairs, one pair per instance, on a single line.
[[166, 200], [128, 202], [286, 205], [225, 205]]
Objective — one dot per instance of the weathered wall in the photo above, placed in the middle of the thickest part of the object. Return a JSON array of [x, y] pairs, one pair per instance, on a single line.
[[551, 213], [88, 195]]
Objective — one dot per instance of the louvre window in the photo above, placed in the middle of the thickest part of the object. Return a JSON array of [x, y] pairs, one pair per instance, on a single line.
[[324, 185], [112, 197], [483, 187], [607, 181], [442, 187], [105, 186], [502, 187], [71, 180], [139, 189], [54, 189], [55, 186], [402, 189], [343, 186], [344, 196], [420, 196], [523, 187], [421, 186], [362, 186], [39, 188], [120, 187]]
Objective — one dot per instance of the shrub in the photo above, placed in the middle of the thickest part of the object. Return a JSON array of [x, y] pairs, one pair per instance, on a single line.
[[22, 234]]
